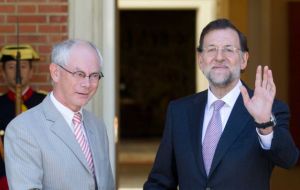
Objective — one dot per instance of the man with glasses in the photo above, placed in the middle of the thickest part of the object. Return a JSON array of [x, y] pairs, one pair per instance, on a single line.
[[58, 144], [228, 136]]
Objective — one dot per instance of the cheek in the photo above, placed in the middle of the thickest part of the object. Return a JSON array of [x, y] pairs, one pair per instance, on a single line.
[[10, 74], [25, 73], [243, 65], [70, 86], [93, 89], [206, 66]]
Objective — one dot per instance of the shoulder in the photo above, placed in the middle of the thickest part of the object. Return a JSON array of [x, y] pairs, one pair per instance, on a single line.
[[3, 96], [6, 104], [41, 93], [30, 116], [191, 99], [36, 98], [25, 125]]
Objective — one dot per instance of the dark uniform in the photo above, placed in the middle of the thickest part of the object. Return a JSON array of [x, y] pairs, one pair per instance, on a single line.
[[30, 98]]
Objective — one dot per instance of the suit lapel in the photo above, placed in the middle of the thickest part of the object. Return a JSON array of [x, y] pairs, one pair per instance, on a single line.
[[236, 122], [98, 146], [60, 128], [196, 116], [95, 147]]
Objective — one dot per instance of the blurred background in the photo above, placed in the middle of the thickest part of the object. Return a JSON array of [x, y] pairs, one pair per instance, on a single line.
[[149, 50]]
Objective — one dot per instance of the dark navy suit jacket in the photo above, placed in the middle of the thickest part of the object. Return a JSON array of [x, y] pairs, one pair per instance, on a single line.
[[239, 161]]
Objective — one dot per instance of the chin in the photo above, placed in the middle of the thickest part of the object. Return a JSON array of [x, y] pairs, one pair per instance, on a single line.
[[221, 82], [219, 79], [83, 102]]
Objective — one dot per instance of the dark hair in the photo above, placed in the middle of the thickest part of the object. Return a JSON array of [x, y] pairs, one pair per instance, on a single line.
[[6, 58], [222, 24]]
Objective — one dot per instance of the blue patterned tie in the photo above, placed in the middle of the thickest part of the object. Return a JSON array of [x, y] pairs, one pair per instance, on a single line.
[[212, 135]]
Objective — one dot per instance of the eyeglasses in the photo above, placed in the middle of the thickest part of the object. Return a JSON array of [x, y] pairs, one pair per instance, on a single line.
[[228, 51], [80, 75]]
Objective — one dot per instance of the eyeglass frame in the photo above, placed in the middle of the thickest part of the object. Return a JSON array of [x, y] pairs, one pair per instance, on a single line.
[[216, 49], [84, 75]]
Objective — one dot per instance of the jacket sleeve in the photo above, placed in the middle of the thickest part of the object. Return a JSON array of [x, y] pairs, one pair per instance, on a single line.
[[164, 174], [283, 152], [22, 158]]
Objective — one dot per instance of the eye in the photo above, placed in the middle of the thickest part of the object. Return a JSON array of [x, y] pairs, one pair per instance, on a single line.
[[79, 74], [95, 76], [229, 49], [23, 66], [211, 49], [11, 66]]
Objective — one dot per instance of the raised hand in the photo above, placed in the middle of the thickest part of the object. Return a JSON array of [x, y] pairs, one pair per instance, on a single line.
[[260, 104]]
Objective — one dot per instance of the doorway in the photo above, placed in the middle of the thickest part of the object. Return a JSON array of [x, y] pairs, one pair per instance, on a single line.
[[157, 65]]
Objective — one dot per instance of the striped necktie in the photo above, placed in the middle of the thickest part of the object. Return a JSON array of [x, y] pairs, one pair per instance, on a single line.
[[212, 135], [82, 140]]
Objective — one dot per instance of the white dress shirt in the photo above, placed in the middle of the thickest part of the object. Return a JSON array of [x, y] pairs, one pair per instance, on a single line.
[[230, 99], [66, 113]]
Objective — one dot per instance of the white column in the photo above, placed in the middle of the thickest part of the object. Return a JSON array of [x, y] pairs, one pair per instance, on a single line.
[[94, 20]]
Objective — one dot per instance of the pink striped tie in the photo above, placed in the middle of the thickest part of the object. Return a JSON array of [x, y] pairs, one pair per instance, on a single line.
[[82, 140], [212, 135]]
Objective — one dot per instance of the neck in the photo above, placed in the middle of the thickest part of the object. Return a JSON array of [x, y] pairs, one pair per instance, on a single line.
[[61, 99], [221, 90]]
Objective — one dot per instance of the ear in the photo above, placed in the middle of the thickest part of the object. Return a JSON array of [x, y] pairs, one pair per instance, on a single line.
[[245, 57], [54, 72], [2, 71], [199, 60]]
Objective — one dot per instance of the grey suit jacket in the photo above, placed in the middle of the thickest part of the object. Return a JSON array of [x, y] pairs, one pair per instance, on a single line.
[[41, 152]]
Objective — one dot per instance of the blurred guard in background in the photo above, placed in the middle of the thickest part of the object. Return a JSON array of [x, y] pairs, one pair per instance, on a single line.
[[29, 97]]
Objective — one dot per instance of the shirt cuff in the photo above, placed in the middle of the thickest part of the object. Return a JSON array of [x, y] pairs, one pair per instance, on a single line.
[[265, 140]]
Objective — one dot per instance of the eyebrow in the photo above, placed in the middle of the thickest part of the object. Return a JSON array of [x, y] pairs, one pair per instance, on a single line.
[[78, 69]]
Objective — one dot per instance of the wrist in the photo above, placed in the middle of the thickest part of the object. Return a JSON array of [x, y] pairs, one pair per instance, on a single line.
[[267, 124], [265, 131], [262, 118]]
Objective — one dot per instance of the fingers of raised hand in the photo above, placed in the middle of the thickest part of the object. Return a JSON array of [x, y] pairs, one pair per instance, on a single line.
[[264, 80], [271, 85], [245, 95], [258, 78], [265, 77]]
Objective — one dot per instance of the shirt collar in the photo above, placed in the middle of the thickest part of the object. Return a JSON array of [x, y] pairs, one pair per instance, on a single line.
[[229, 99], [65, 111]]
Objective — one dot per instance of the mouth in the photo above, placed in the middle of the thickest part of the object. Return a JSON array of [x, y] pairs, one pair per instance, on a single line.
[[83, 93], [220, 67]]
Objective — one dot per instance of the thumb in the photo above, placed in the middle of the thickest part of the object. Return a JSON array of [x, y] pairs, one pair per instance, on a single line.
[[245, 95]]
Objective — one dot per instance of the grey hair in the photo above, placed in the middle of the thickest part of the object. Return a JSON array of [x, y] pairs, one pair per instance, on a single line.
[[61, 51]]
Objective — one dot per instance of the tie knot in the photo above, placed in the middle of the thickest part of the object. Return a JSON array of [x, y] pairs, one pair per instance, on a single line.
[[77, 118], [218, 105]]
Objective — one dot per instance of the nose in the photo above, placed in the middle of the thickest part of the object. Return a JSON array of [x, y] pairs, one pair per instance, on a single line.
[[85, 82], [220, 54]]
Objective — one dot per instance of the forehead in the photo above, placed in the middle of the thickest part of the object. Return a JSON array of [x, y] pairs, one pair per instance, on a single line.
[[82, 55], [222, 37], [13, 62]]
